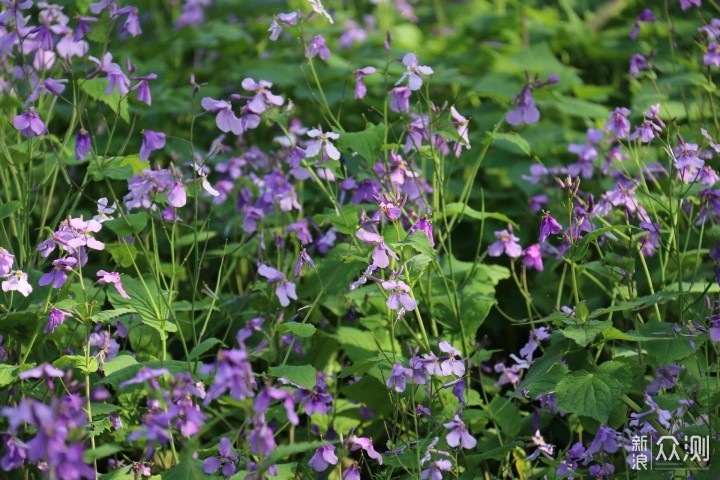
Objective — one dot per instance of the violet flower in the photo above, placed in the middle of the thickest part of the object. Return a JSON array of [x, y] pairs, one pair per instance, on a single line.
[[7, 260], [318, 7], [685, 4], [317, 47], [287, 19], [548, 226], [525, 110], [360, 87], [507, 243], [226, 460], [323, 458], [458, 435], [285, 289], [323, 143], [365, 444], [399, 296], [55, 318], [414, 72], [151, 141], [399, 378], [532, 257], [29, 123], [114, 278], [351, 473], [618, 125], [82, 144], [17, 281], [400, 99], [225, 120]]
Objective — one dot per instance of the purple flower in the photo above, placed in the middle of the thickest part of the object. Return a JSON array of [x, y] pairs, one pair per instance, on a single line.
[[55, 318], [225, 120], [323, 458], [414, 72], [6, 262], [360, 88], [323, 143], [288, 19], [143, 88], [436, 469], [400, 99], [525, 110], [351, 473], [319, 8], [226, 460], [399, 295], [646, 16], [618, 124], [458, 435], [115, 76], [712, 57], [263, 98], [424, 225], [686, 156], [151, 141], [365, 444], [285, 289], [46, 371], [317, 47], [114, 278], [637, 63], [262, 440], [451, 366], [507, 243], [398, 379], [461, 124], [548, 226], [143, 375], [82, 144], [532, 257], [29, 123], [685, 4], [17, 281]]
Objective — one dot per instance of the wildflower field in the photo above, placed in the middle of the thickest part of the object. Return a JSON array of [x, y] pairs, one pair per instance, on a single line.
[[359, 239]]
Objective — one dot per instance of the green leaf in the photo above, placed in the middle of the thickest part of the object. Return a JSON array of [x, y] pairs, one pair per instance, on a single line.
[[95, 88], [109, 167], [513, 139], [7, 209], [187, 470], [495, 453], [123, 254], [127, 225], [117, 363], [101, 451], [303, 375], [419, 241], [576, 252], [417, 265], [7, 374], [77, 361], [584, 334], [102, 317], [466, 211], [548, 382], [300, 329], [637, 304], [541, 366], [594, 394], [366, 143], [203, 347], [284, 452], [149, 303]]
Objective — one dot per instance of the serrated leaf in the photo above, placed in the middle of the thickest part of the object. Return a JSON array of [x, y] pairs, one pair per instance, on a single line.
[[300, 329], [118, 362], [418, 241], [584, 334], [101, 451], [594, 394], [576, 252], [96, 87], [77, 361], [127, 225], [417, 265], [303, 375], [638, 303], [149, 303], [8, 374], [103, 317], [496, 453], [366, 143]]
